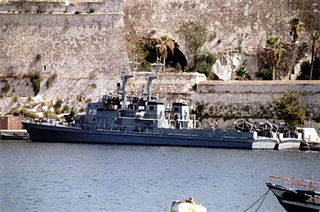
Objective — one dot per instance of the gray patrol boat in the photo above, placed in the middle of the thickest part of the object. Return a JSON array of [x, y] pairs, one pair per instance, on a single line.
[[118, 119]]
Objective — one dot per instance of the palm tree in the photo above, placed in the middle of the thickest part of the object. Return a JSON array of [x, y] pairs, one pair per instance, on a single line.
[[296, 27], [314, 40], [274, 50], [165, 44]]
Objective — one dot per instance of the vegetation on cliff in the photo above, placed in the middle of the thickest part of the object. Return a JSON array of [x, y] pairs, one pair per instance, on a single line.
[[35, 78], [148, 50], [195, 35], [203, 64]]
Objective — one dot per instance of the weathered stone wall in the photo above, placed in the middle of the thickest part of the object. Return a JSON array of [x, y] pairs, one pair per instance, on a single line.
[[252, 99], [234, 25], [61, 6], [69, 45], [80, 49]]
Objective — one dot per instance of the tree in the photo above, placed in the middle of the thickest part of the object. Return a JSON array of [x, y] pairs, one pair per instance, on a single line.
[[289, 108], [242, 73], [274, 49], [314, 40], [165, 45], [296, 27]]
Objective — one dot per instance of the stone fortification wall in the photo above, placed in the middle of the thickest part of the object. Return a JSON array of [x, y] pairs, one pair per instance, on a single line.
[[166, 82], [81, 50], [252, 99], [69, 45], [61, 6]]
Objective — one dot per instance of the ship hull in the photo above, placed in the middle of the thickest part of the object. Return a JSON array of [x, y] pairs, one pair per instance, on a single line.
[[264, 143], [289, 144], [293, 200], [49, 133]]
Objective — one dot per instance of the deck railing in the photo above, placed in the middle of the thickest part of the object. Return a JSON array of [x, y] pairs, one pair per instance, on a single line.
[[297, 183]]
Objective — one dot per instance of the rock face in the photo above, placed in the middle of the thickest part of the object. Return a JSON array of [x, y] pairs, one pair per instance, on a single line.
[[234, 26]]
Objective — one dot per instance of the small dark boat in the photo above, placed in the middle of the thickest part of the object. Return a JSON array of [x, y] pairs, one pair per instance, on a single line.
[[296, 194], [14, 135]]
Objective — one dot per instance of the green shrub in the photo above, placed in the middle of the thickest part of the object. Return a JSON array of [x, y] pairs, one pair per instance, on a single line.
[[24, 112], [91, 10], [50, 115], [15, 111], [38, 57], [58, 104], [265, 74], [36, 86], [93, 85], [77, 12], [65, 109], [204, 63], [195, 35], [51, 80], [242, 73], [79, 97], [57, 111], [35, 78]]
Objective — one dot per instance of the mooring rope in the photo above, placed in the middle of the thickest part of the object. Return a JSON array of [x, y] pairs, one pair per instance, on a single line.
[[263, 197]]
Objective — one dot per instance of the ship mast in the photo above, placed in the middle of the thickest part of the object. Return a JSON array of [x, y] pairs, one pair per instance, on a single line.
[[149, 92], [125, 77], [157, 66], [122, 91]]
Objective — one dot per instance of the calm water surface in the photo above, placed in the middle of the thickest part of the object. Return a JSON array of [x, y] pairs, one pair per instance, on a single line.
[[82, 177]]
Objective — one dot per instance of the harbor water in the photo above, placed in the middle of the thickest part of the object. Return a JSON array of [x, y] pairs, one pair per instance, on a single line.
[[121, 178]]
